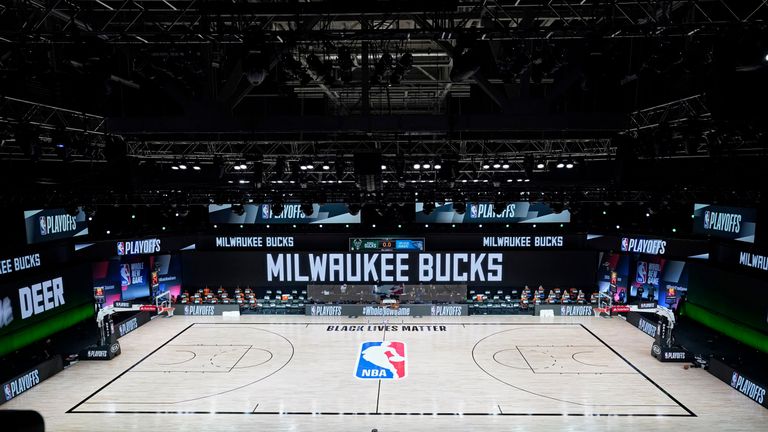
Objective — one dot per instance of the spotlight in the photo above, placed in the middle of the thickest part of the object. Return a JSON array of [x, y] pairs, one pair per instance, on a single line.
[[560, 165], [182, 166], [496, 165], [438, 166], [308, 209], [499, 207], [310, 166], [196, 167], [174, 167], [383, 167], [569, 165], [426, 166], [353, 208], [242, 166], [505, 165], [486, 166], [416, 166], [540, 165], [277, 208], [326, 167]]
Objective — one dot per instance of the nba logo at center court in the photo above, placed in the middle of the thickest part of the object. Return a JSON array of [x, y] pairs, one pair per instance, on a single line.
[[381, 360]]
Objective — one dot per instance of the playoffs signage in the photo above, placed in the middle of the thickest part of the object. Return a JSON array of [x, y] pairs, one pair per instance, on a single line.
[[291, 214], [734, 223], [138, 247], [22, 383], [54, 224], [516, 212], [644, 246]]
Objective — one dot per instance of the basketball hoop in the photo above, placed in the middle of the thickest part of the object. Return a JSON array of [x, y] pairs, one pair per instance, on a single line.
[[167, 310]]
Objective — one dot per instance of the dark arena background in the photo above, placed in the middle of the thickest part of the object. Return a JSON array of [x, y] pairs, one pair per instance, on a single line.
[[383, 215]]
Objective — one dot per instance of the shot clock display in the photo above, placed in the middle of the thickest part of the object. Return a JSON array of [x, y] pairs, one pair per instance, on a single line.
[[385, 244]]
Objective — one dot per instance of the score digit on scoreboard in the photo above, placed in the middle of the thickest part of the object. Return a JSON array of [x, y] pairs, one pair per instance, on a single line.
[[382, 244]]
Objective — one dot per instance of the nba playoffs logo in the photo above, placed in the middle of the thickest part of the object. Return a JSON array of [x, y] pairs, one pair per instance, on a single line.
[[381, 360], [642, 272], [266, 213], [706, 219], [472, 211], [43, 226], [121, 248], [624, 244], [7, 391]]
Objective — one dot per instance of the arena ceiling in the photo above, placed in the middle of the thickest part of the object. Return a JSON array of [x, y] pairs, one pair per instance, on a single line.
[[104, 101]]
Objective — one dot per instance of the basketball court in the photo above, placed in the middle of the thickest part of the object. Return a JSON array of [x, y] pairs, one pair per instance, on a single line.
[[299, 373]]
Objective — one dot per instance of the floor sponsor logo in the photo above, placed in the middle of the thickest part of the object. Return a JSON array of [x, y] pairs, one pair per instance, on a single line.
[[21, 384], [581, 310], [384, 311], [199, 310], [647, 327], [128, 326], [674, 355], [748, 388], [446, 311], [325, 310], [381, 360]]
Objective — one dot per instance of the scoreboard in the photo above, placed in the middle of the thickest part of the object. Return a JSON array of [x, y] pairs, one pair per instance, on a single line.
[[385, 244]]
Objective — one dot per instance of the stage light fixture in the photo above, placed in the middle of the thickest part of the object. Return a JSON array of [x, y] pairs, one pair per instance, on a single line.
[[560, 165], [417, 166], [426, 166], [459, 207], [182, 166], [428, 208], [277, 208], [496, 165], [505, 165], [174, 167], [438, 165], [509, 180], [310, 166], [196, 167], [499, 207], [353, 208], [540, 165], [326, 167], [308, 209], [486, 165], [569, 165]]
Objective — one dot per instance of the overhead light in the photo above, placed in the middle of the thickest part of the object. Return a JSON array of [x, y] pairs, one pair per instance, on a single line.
[[540, 165], [519, 180], [243, 181], [174, 167], [196, 167], [302, 167], [243, 166], [486, 166], [237, 167], [496, 165], [569, 165], [505, 165], [383, 167], [560, 165], [509, 180], [527, 180], [426, 166], [438, 166], [182, 166], [310, 166], [416, 166], [326, 167]]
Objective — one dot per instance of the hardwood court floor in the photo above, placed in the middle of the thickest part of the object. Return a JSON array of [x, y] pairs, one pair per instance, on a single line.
[[470, 373]]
